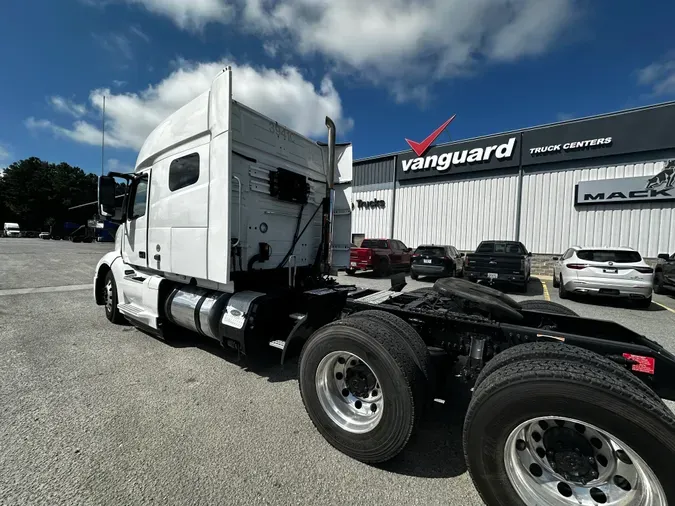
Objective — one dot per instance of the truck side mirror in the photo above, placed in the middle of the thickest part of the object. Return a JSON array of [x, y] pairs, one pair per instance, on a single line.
[[106, 200], [664, 256]]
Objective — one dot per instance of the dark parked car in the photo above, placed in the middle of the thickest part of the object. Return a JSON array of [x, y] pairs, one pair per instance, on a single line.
[[381, 255], [500, 262], [664, 277], [436, 261]]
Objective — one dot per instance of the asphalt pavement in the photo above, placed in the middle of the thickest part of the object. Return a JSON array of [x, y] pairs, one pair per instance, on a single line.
[[98, 414]]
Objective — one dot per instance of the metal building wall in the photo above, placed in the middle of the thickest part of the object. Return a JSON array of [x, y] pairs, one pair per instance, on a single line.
[[373, 223], [459, 213], [551, 223], [373, 180]]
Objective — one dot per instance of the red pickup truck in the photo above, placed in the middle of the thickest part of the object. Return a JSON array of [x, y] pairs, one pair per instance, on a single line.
[[380, 255]]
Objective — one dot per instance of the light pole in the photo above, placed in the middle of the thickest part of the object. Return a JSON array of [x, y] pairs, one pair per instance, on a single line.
[[103, 136]]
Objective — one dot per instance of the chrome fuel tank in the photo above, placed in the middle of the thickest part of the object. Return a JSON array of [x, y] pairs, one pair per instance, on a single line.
[[197, 309]]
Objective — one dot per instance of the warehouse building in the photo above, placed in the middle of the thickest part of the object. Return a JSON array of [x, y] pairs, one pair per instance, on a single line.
[[601, 181]]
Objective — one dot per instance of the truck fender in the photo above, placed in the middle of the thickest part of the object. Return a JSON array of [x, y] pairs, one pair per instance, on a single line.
[[297, 337], [111, 261]]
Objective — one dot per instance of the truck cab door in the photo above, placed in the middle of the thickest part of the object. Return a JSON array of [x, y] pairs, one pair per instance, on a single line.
[[134, 246]]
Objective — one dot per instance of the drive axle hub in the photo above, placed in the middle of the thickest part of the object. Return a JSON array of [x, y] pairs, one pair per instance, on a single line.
[[570, 454], [558, 461], [360, 381]]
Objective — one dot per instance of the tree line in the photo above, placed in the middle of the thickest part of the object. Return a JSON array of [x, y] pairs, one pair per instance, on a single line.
[[37, 194]]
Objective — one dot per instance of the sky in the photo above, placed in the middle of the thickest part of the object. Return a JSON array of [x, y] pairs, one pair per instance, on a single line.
[[384, 70]]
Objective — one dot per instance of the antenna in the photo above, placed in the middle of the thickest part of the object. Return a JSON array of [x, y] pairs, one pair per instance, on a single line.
[[103, 136]]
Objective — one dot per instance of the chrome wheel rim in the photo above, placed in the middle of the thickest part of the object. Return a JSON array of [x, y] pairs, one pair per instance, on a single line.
[[558, 461], [349, 392], [108, 296]]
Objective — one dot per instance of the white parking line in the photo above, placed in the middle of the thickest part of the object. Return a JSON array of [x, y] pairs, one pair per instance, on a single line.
[[45, 289]]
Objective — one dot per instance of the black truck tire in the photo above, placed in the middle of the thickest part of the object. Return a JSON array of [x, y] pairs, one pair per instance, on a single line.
[[548, 306], [591, 424], [400, 381], [560, 352], [408, 335], [658, 283], [110, 300], [382, 268]]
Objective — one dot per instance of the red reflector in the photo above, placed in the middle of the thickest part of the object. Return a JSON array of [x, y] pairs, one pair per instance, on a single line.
[[577, 267], [644, 364]]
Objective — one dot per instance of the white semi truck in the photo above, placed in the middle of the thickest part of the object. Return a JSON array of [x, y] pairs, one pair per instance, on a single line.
[[11, 230], [232, 227]]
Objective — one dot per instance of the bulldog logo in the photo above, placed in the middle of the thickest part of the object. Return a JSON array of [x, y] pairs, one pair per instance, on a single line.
[[665, 178]]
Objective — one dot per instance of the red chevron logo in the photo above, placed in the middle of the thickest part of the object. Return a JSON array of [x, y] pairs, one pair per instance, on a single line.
[[420, 147]]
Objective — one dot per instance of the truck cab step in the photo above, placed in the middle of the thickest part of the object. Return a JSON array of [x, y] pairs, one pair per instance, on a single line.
[[279, 344], [297, 316]]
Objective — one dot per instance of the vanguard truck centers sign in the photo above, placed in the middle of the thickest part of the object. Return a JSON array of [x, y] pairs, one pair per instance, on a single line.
[[445, 161], [486, 153]]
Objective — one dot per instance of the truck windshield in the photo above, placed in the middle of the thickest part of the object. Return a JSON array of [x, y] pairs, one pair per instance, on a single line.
[[430, 250], [374, 244], [500, 247], [616, 256]]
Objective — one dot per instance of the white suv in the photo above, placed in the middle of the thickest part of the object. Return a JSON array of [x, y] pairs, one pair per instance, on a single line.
[[614, 272]]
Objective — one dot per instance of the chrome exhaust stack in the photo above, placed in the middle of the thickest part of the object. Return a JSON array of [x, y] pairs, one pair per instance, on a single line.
[[330, 200]]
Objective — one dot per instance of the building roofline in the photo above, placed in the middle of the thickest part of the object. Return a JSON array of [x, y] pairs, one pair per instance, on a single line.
[[519, 130]]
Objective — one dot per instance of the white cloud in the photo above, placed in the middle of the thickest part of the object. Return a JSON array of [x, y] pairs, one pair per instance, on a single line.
[[660, 76], [391, 38], [116, 165], [564, 116], [140, 33], [115, 43], [389, 41], [81, 131], [64, 105], [119, 83], [4, 154], [189, 14], [283, 94], [271, 48]]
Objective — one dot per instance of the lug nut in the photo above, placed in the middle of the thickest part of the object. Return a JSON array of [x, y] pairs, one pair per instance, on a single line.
[[591, 460]]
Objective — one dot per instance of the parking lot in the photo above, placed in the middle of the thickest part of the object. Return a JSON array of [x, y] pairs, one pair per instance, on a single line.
[[94, 413]]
